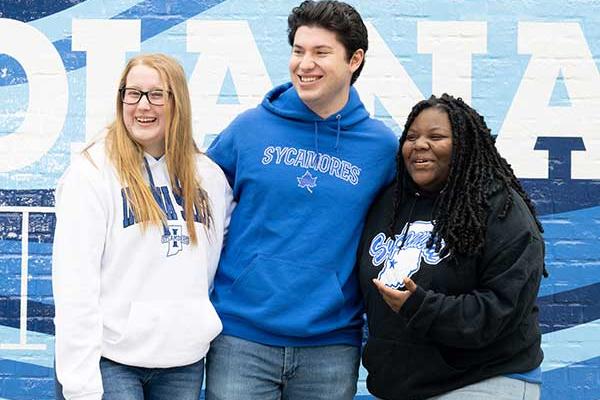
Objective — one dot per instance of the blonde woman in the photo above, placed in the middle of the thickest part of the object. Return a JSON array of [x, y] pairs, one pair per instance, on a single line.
[[140, 221]]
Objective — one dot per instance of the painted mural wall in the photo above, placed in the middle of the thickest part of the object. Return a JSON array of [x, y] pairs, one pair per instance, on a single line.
[[530, 67]]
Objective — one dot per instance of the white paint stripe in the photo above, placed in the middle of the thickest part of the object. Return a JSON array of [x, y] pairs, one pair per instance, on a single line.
[[571, 345], [24, 276], [21, 209]]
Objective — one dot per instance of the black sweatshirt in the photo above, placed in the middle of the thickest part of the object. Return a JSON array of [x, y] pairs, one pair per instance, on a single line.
[[471, 318]]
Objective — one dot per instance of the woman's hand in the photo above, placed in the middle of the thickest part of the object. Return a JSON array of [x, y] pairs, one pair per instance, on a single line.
[[393, 297]]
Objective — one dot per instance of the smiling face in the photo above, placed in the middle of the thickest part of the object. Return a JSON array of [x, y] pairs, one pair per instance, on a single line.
[[320, 69], [427, 150], [145, 122]]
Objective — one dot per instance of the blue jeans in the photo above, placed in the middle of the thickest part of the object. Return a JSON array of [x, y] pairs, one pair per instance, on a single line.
[[498, 388], [237, 369], [124, 382]]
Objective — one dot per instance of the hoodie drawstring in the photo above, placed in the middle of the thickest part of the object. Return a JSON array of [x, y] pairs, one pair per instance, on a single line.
[[317, 138], [337, 137], [338, 118], [150, 178], [155, 193], [410, 214]]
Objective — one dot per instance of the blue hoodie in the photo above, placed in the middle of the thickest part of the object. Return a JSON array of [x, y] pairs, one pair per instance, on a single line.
[[303, 185]]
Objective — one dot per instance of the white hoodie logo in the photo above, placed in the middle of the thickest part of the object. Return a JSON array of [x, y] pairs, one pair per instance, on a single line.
[[176, 240], [406, 261]]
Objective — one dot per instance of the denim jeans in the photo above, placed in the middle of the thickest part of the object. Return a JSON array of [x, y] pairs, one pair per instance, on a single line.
[[237, 369], [124, 382], [497, 388]]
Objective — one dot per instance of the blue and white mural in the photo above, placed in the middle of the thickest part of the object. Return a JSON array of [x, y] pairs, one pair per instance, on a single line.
[[530, 67]]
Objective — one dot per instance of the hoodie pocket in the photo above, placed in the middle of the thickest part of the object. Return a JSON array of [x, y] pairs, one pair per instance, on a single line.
[[402, 367], [175, 327], [288, 298]]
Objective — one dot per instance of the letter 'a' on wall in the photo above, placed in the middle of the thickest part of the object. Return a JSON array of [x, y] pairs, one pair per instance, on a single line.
[[556, 49], [223, 46], [48, 95], [385, 78]]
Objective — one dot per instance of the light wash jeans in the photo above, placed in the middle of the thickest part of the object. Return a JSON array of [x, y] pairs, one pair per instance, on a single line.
[[238, 369], [497, 388], [124, 382]]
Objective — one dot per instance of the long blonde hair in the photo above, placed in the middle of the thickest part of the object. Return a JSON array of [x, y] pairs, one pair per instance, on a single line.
[[127, 155]]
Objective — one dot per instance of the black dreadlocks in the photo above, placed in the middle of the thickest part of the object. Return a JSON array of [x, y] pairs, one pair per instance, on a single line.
[[476, 171]]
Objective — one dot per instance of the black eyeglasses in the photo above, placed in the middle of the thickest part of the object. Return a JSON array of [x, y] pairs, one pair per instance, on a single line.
[[132, 96]]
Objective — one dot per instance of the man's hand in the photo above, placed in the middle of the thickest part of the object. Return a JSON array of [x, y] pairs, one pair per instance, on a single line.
[[393, 297]]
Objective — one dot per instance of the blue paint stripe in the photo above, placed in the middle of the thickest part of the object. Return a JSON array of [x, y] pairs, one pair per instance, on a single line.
[[26, 11], [576, 381], [40, 384], [27, 197], [553, 196], [157, 16], [40, 315], [569, 308]]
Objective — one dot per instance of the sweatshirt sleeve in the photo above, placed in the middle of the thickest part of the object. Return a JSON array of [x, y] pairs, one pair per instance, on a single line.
[[81, 219], [509, 278], [223, 152], [229, 207]]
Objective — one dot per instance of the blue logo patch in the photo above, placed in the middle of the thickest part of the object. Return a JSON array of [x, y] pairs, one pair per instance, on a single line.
[[307, 181], [175, 239], [400, 262]]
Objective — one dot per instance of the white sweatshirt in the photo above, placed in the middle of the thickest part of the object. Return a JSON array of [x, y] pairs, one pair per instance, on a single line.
[[137, 298]]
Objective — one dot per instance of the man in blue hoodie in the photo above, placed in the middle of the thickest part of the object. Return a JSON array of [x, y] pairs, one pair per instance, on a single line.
[[304, 166]]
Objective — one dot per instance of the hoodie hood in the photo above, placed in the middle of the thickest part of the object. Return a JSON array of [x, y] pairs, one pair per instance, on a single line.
[[284, 101]]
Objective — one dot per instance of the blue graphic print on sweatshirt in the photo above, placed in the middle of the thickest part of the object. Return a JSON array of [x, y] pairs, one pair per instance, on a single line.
[[173, 233], [303, 186], [309, 159], [402, 256]]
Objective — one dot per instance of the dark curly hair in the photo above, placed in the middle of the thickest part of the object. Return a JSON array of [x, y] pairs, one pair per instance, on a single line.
[[476, 171], [335, 16]]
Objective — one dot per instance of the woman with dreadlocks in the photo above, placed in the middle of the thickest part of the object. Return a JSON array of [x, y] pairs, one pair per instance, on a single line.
[[450, 265]]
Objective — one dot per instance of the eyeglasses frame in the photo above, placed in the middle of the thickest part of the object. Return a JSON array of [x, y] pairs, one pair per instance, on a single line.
[[122, 91]]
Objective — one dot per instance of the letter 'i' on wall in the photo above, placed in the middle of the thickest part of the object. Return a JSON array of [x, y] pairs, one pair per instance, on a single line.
[[106, 43]]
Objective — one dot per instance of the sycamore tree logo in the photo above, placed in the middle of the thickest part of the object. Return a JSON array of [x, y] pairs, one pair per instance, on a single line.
[[307, 181]]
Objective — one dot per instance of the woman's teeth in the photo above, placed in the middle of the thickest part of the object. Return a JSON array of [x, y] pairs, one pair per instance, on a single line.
[[145, 120]]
